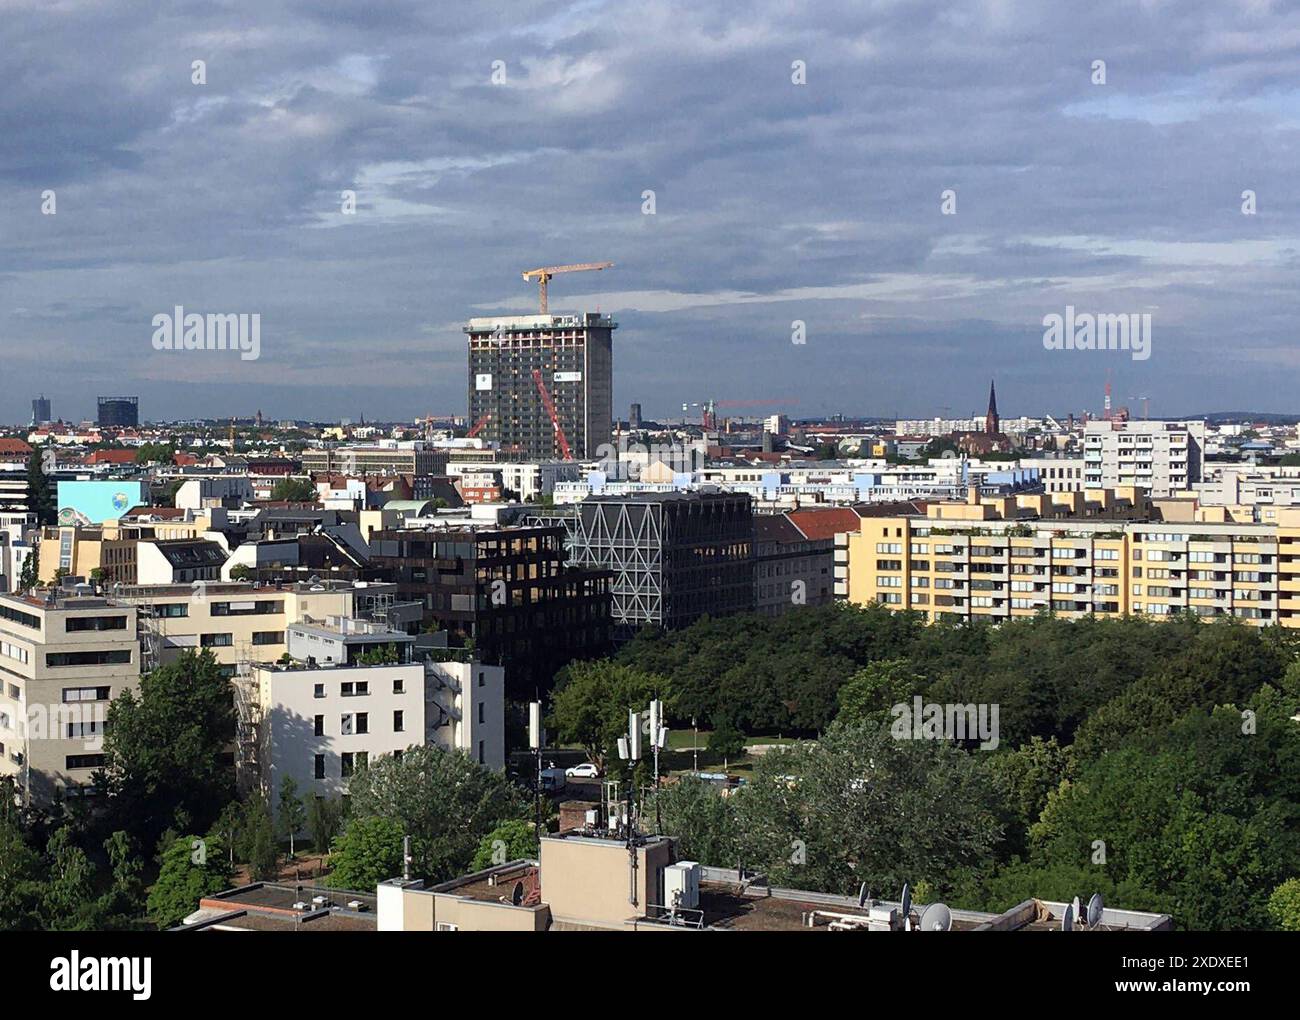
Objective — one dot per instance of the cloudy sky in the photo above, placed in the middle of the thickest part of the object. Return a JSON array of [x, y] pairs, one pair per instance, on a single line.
[[774, 201]]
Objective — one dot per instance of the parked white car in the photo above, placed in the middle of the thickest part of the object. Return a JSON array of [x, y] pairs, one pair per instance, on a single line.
[[587, 770]]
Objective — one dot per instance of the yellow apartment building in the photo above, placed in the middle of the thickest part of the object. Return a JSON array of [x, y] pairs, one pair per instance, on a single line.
[[1072, 554]]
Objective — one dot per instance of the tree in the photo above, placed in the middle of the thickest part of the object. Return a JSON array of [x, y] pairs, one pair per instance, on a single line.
[[40, 498], [292, 813], [324, 820], [21, 874], [847, 809], [257, 842], [510, 841], [700, 819], [30, 575], [165, 749], [726, 739], [192, 867], [442, 799], [870, 693], [294, 490], [592, 699], [1284, 905], [241, 572], [368, 852]]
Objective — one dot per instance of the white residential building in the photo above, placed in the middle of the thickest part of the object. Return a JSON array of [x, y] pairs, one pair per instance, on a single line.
[[333, 709], [1162, 456]]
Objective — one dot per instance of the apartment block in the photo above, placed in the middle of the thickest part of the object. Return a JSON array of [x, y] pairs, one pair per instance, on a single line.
[[412, 458], [524, 367], [63, 658], [332, 708], [513, 591], [1163, 457], [953, 565], [794, 557], [1057, 474], [242, 623]]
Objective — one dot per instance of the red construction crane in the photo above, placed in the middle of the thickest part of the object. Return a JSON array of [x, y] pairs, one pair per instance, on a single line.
[[477, 426], [549, 404], [543, 276]]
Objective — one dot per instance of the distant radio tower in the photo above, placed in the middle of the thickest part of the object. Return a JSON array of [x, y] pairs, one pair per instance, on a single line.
[[1106, 414]]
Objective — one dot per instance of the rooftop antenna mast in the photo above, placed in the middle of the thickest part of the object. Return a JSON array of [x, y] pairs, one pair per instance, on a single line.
[[629, 749], [536, 738]]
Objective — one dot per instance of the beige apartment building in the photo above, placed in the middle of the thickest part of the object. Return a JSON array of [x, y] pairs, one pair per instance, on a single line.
[[1002, 559], [243, 623], [111, 547], [62, 660]]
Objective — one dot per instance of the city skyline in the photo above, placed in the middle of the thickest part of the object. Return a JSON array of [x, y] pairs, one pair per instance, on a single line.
[[477, 152]]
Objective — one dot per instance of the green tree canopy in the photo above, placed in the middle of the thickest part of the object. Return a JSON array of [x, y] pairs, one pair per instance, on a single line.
[[442, 799], [368, 852], [592, 699], [166, 746]]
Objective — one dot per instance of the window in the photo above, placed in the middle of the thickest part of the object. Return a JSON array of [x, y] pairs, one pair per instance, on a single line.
[[320, 765], [83, 761], [480, 711], [95, 658], [318, 691], [13, 651], [399, 721], [71, 694], [363, 722], [482, 679], [216, 640], [345, 724], [93, 728], [172, 609], [268, 637], [399, 686], [84, 623], [353, 689], [320, 726], [345, 764], [482, 758]]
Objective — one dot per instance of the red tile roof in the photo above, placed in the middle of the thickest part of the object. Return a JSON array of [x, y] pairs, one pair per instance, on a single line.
[[825, 523], [12, 446], [111, 457]]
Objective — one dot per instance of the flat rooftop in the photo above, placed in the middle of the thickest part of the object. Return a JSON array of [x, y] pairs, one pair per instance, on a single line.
[[265, 906]]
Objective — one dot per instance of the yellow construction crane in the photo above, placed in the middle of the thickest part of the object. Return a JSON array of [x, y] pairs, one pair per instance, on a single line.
[[543, 276]]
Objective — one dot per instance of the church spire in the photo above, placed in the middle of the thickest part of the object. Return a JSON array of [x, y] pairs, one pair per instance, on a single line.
[[992, 424]]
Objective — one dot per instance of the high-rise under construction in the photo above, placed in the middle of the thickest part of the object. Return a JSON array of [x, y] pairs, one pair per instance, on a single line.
[[542, 385]]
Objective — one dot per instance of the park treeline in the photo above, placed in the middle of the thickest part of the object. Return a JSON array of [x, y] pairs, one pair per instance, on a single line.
[[1157, 762]]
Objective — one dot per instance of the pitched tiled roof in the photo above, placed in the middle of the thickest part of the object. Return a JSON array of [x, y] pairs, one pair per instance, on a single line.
[[824, 523]]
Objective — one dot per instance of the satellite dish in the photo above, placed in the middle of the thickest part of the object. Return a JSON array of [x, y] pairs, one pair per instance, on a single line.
[[907, 900], [1078, 909], [517, 894], [862, 896], [1067, 920], [936, 917], [1095, 907]]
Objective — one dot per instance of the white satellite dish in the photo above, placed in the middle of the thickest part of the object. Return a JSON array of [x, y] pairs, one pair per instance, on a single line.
[[1096, 906], [1078, 909], [935, 917], [1067, 920], [907, 901]]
